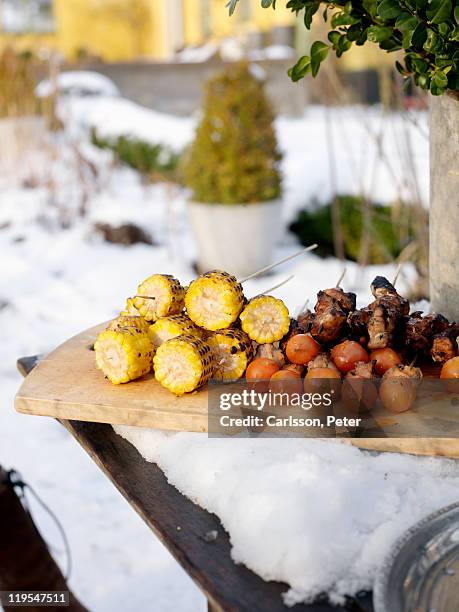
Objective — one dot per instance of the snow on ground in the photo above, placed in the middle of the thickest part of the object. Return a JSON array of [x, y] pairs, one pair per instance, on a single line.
[[57, 281]]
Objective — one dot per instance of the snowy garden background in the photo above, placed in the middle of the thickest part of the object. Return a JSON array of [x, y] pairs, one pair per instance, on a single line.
[[59, 277]]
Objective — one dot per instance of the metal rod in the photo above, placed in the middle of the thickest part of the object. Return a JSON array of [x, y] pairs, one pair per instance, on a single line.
[[278, 285], [397, 272], [278, 263], [343, 274], [303, 308]]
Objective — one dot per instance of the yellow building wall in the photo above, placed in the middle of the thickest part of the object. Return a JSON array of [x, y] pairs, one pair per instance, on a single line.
[[28, 42], [112, 29], [115, 30], [123, 30], [248, 18]]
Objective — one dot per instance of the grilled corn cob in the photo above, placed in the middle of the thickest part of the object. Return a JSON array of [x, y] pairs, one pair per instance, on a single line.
[[123, 355], [171, 327], [183, 364], [214, 300], [232, 350], [129, 322], [158, 296], [130, 310], [265, 319]]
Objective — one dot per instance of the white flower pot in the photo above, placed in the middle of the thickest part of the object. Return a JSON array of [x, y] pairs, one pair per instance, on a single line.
[[238, 238]]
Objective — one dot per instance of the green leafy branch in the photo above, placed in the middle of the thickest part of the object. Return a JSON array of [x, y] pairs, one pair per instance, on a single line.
[[425, 31]]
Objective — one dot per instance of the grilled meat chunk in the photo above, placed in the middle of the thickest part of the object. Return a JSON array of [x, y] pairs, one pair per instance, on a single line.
[[357, 322], [305, 321], [445, 344], [385, 313], [420, 331], [443, 347], [331, 311], [328, 325], [335, 295], [381, 286]]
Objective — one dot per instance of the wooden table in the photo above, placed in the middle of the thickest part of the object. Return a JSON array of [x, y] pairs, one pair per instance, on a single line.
[[184, 527]]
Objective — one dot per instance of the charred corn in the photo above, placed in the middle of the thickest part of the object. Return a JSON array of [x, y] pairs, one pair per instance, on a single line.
[[232, 351], [265, 319], [214, 300], [171, 327], [183, 364], [123, 355], [130, 310], [129, 323], [158, 296]]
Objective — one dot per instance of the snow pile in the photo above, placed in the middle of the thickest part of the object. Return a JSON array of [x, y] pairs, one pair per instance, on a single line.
[[78, 83], [318, 515], [113, 117]]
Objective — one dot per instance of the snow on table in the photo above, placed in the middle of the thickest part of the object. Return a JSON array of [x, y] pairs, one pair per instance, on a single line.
[[318, 515]]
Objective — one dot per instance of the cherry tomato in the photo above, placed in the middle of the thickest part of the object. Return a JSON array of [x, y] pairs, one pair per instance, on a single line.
[[301, 348], [322, 380], [398, 393], [384, 359], [347, 354], [450, 370], [259, 371], [285, 381]]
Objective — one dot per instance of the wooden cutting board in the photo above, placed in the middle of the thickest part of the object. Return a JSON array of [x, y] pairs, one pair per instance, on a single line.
[[67, 385]]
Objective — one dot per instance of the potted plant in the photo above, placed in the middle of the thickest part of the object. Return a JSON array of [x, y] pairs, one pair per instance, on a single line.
[[232, 169], [425, 34]]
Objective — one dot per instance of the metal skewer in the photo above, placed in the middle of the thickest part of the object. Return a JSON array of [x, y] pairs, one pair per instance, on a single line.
[[278, 263], [343, 274], [278, 285], [303, 308], [397, 272]]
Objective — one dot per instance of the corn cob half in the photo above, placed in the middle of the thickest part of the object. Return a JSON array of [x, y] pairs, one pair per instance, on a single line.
[[265, 319], [170, 327], [123, 355], [214, 300], [129, 322], [158, 296], [130, 310], [233, 351], [183, 364]]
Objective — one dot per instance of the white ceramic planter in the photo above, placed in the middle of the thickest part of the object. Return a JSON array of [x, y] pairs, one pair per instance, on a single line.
[[238, 238]]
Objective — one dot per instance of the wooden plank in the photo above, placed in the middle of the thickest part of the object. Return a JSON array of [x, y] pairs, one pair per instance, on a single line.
[[67, 385], [182, 526]]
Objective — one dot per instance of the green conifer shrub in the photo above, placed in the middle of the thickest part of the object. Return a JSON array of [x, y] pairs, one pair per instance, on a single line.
[[234, 158]]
